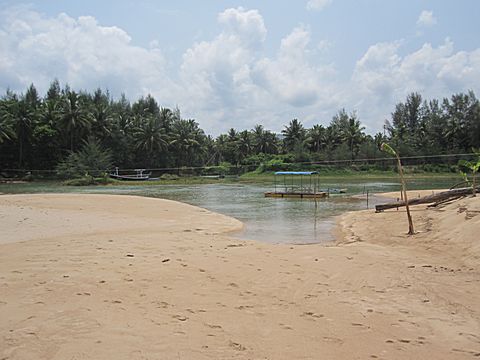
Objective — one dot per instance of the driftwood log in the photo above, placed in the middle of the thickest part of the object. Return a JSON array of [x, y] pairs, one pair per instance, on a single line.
[[440, 197]]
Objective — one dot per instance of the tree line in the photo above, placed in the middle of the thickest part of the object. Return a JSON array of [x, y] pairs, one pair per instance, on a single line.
[[42, 132]]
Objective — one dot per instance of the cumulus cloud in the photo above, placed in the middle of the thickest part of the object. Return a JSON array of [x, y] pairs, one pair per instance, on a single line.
[[228, 81], [230, 73], [382, 77], [290, 76], [317, 4], [36, 48], [426, 19], [216, 74]]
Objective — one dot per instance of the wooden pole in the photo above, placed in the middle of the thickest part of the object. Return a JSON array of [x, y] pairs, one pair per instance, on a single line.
[[411, 231]]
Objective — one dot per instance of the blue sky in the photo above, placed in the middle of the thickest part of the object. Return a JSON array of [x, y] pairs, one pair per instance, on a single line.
[[239, 63]]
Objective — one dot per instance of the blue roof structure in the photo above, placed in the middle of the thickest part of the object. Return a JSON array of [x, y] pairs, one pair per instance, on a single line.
[[296, 172]]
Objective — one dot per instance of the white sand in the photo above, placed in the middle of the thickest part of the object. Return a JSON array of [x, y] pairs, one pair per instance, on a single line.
[[122, 277]]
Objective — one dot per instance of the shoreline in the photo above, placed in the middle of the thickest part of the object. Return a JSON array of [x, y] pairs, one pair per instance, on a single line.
[[124, 277]]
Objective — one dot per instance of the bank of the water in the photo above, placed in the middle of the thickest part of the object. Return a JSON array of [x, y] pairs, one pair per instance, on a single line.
[[266, 219]]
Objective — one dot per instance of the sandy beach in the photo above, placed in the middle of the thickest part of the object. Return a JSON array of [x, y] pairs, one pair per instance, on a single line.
[[124, 277]]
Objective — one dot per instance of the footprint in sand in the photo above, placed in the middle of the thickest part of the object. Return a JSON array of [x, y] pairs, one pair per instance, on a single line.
[[237, 346], [471, 352], [358, 325], [333, 340], [213, 326], [180, 317], [161, 304], [311, 314], [285, 327]]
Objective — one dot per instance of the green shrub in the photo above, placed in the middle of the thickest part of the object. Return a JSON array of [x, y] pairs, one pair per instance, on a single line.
[[91, 160], [83, 181]]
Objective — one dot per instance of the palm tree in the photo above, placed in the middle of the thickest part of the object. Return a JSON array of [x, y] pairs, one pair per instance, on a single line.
[[353, 134], [269, 142], [150, 136], [23, 117], [186, 139], [231, 149], [6, 121], [168, 117], [257, 134], [294, 135], [75, 116], [102, 120], [244, 144], [221, 145], [316, 138]]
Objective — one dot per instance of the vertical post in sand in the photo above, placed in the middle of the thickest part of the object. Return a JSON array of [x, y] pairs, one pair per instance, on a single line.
[[411, 231], [385, 147]]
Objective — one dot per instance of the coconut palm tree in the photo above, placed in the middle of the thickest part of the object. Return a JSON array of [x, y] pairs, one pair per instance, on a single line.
[[23, 116], [269, 142], [244, 144], [101, 110], [315, 138], [75, 116], [186, 140], [150, 137], [353, 134], [294, 135], [6, 120]]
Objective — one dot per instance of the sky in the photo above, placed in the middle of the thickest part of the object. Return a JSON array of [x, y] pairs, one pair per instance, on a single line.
[[235, 64]]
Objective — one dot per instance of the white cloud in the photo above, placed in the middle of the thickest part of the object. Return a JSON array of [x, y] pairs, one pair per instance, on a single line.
[[426, 19], [248, 25], [382, 77], [216, 74], [230, 73], [290, 76], [228, 81], [79, 51], [318, 4]]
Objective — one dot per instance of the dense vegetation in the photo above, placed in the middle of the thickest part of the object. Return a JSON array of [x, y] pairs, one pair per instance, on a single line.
[[63, 129]]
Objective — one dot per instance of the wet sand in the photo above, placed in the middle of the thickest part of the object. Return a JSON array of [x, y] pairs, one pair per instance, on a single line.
[[124, 277]]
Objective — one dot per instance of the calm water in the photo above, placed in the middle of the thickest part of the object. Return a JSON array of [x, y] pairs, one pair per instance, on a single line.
[[266, 219]]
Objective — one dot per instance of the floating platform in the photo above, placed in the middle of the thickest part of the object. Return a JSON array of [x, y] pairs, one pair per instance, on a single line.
[[296, 195]]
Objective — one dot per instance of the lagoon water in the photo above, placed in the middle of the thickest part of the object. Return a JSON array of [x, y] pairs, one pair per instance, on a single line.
[[266, 219]]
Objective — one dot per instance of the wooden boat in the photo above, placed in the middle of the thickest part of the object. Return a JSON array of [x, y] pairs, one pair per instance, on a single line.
[[138, 176]]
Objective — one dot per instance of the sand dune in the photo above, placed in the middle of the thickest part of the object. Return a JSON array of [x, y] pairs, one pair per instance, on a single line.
[[122, 277]]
